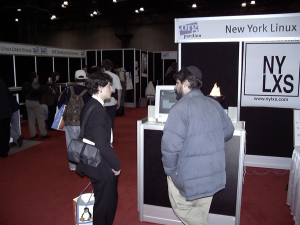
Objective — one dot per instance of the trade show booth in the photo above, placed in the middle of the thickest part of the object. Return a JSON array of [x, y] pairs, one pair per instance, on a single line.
[[255, 62]]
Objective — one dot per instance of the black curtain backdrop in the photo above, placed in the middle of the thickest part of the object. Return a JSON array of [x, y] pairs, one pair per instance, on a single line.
[[158, 68], [75, 64], [114, 55], [61, 66], [7, 73], [44, 68], [91, 58]]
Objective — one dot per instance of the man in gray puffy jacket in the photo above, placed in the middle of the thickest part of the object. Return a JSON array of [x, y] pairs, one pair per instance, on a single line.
[[193, 148]]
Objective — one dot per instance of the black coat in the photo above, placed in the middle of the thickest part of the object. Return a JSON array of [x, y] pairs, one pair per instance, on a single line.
[[98, 130], [5, 111]]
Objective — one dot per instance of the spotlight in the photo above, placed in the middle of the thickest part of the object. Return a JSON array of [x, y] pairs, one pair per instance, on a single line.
[[19, 10], [66, 3], [114, 1], [142, 9], [53, 17], [16, 19], [95, 13], [252, 2], [91, 14], [137, 11], [194, 5], [63, 6], [244, 4]]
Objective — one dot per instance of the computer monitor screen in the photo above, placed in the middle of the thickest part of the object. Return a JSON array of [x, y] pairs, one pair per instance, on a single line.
[[165, 98]]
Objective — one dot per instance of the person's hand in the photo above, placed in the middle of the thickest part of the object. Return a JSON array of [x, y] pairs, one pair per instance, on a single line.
[[116, 172], [170, 178], [118, 105]]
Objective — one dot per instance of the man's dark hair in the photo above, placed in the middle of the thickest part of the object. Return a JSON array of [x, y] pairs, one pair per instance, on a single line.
[[31, 76], [107, 64], [116, 66], [97, 80], [184, 74], [94, 69]]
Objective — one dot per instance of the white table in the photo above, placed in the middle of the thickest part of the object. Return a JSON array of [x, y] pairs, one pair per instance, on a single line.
[[293, 198]]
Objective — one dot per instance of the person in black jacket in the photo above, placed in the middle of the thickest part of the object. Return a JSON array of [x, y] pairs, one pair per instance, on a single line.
[[33, 93], [5, 114], [98, 129]]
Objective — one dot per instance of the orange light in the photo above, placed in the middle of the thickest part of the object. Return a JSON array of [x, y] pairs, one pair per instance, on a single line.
[[215, 91]]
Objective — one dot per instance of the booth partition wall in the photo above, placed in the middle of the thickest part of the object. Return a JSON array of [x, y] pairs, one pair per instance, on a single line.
[[19, 60]]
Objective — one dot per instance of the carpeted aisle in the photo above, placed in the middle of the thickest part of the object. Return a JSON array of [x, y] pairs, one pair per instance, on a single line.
[[37, 187]]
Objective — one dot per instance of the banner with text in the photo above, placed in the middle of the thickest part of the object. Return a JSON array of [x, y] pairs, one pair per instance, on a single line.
[[19, 49], [58, 52], [238, 28], [271, 74]]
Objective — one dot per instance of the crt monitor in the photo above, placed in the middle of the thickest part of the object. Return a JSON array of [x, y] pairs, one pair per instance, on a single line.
[[165, 98]]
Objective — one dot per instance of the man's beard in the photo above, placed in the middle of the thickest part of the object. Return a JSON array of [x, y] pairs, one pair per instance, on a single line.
[[178, 94]]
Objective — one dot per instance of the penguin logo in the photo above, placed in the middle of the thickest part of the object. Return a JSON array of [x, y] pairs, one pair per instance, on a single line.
[[86, 215]]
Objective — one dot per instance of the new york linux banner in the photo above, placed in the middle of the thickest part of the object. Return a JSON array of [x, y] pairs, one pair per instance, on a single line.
[[238, 28], [271, 74]]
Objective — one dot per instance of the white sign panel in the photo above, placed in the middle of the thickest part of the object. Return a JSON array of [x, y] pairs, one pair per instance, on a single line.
[[169, 55], [58, 52], [17, 49], [271, 74], [238, 28]]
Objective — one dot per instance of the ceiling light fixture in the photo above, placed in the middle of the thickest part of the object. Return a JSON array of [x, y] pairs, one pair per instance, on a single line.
[[92, 15], [244, 4], [95, 13], [194, 5], [137, 11], [66, 3], [19, 10], [17, 20], [53, 17], [63, 6], [252, 2], [114, 1], [142, 9]]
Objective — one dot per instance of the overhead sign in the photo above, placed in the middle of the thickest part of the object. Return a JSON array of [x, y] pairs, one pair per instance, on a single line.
[[238, 28], [271, 74], [19, 49], [58, 52]]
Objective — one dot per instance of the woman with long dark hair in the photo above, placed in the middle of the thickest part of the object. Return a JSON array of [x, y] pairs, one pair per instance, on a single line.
[[98, 129]]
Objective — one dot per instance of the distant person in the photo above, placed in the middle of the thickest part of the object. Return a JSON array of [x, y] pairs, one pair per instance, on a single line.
[[120, 72], [5, 116], [169, 79], [94, 69], [114, 102], [72, 124], [192, 146], [15, 132], [98, 129], [55, 95], [33, 91], [85, 68]]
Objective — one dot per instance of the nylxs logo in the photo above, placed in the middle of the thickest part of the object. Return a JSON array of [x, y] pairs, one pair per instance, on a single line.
[[188, 28]]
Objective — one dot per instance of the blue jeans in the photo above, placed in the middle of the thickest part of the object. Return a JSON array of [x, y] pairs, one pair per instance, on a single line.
[[72, 132], [15, 126]]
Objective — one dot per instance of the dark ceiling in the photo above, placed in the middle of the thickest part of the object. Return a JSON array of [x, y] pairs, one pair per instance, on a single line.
[[35, 14]]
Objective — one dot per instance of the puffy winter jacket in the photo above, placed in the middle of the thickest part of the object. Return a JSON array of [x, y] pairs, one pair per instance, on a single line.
[[193, 145]]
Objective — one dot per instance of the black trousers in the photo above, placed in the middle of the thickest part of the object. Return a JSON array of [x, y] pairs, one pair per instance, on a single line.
[[111, 111], [106, 201], [4, 136]]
